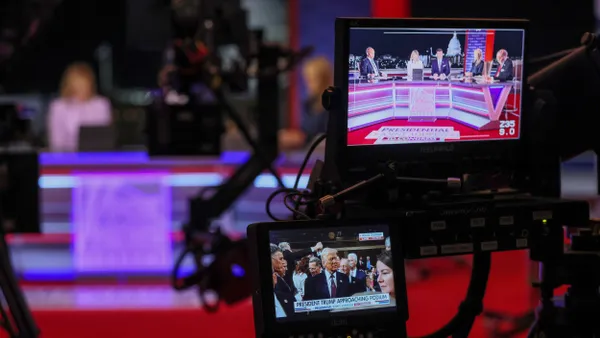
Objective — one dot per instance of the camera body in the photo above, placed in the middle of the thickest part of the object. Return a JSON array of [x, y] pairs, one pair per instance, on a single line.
[[395, 147]]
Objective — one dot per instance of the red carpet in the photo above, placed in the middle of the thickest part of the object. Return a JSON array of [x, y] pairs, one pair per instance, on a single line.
[[432, 303]]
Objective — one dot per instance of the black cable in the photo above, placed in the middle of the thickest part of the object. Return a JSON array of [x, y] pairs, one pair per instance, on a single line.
[[472, 305], [311, 150], [176, 281], [272, 197]]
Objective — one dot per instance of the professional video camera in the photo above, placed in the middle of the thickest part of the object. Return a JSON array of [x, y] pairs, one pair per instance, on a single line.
[[214, 54], [442, 166]]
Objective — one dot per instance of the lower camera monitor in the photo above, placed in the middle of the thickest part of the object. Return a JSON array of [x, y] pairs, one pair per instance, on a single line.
[[323, 272]]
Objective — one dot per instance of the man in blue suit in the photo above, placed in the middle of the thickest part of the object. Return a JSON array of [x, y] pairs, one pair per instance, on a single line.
[[368, 67], [330, 283], [440, 66], [359, 276]]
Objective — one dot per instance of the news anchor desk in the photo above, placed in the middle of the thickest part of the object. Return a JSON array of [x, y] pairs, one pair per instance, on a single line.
[[478, 105], [120, 213]]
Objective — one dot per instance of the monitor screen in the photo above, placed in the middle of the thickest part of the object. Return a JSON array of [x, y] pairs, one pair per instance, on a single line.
[[321, 272], [470, 90]]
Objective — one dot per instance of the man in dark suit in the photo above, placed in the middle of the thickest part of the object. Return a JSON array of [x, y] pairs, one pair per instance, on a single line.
[[330, 283], [440, 66], [505, 66], [359, 276], [368, 67], [314, 266], [292, 256]]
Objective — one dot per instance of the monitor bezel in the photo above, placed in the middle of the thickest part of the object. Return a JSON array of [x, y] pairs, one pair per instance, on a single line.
[[358, 162], [390, 320]]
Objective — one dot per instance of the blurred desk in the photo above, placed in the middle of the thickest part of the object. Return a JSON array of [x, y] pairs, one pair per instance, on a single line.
[[49, 256]]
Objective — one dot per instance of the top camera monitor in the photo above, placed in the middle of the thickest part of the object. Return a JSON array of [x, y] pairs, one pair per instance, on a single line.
[[469, 90]]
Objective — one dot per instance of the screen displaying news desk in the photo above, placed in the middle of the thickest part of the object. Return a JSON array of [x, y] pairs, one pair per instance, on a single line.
[[478, 105]]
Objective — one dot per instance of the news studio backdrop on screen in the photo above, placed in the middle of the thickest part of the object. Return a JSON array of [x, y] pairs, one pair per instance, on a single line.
[[319, 272], [411, 85]]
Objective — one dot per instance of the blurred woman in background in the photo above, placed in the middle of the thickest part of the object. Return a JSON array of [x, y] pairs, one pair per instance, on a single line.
[[318, 75], [78, 105]]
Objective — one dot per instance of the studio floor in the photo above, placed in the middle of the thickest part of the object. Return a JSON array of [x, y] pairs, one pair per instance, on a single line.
[[155, 311], [149, 308]]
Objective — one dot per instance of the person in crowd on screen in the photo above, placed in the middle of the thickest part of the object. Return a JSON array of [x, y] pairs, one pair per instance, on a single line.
[[329, 284], [361, 263], [385, 278], [358, 275], [477, 64], [369, 285], [292, 256], [440, 66], [314, 266], [375, 276], [368, 263], [280, 267], [79, 105], [279, 310], [388, 244], [300, 275], [368, 66], [344, 267], [284, 301], [504, 72], [318, 76], [414, 63]]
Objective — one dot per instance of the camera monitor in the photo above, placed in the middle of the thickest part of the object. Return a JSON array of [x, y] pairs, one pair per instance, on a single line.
[[314, 277], [469, 97]]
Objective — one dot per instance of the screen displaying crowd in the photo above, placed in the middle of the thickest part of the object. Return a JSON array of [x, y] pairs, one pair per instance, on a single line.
[[340, 270], [434, 85]]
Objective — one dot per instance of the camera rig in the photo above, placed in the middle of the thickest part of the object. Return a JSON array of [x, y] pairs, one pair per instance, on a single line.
[[484, 204], [202, 35]]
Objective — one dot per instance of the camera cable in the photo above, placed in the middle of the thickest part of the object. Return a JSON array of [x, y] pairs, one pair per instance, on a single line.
[[300, 196], [472, 305]]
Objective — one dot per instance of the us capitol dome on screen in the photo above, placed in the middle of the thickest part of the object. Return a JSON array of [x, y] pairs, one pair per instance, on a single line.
[[454, 47], [454, 52]]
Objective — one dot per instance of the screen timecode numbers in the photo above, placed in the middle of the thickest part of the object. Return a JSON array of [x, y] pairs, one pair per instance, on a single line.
[[507, 128]]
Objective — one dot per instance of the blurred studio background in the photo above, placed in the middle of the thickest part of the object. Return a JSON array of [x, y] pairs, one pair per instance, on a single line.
[[97, 221]]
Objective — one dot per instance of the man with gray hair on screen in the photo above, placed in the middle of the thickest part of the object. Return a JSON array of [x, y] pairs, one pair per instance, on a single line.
[[359, 276]]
